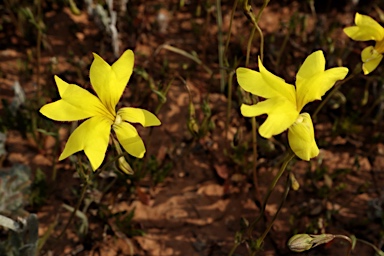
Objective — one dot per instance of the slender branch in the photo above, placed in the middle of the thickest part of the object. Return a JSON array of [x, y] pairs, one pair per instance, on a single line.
[[271, 187], [230, 29], [249, 46], [185, 54], [266, 231], [229, 105], [350, 243], [254, 20], [219, 20], [377, 250], [82, 195]]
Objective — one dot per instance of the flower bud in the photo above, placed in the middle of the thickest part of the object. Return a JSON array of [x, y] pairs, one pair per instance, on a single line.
[[304, 242], [300, 243], [123, 165], [294, 183]]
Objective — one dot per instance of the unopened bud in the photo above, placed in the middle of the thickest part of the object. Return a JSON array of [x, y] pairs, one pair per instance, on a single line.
[[294, 183], [300, 243], [304, 242], [124, 166], [193, 126]]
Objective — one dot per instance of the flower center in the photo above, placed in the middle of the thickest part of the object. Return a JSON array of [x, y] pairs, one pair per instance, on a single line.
[[300, 119], [118, 120]]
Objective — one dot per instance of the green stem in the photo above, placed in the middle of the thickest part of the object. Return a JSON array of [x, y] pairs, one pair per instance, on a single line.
[[157, 110], [233, 249], [38, 50], [261, 42], [232, 73], [185, 54], [251, 17], [82, 195], [349, 241], [229, 97], [266, 231], [255, 157], [229, 30], [249, 44], [271, 187], [377, 250], [248, 12], [165, 92], [220, 49], [55, 153]]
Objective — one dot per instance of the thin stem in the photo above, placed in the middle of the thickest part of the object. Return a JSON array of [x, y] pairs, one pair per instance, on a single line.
[[185, 54], [38, 49], [220, 49], [229, 30], [233, 249], [255, 157], [249, 46], [165, 92], [82, 195], [377, 250], [261, 42], [232, 73], [229, 105], [266, 231], [251, 17], [284, 165], [349, 241], [271, 187], [261, 10], [157, 110], [55, 151]]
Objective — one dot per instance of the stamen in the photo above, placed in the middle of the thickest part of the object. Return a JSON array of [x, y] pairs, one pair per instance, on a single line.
[[117, 120], [300, 119]]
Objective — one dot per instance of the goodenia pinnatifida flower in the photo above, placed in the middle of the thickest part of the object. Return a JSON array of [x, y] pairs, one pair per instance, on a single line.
[[99, 110], [284, 102], [368, 29]]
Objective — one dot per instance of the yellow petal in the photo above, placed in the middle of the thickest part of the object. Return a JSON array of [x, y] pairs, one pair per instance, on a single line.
[[92, 136], [277, 84], [315, 87], [253, 82], [264, 83], [301, 138], [129, 139], [138, 115], [76, 104], [371, 59], [123, 68], [366, 29], [313, 65], [281, 115], [312, 82], [110, 82]]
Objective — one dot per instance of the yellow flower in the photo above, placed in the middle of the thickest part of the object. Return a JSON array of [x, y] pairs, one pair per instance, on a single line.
[[92, 135], [284, 102], [367, 29]]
